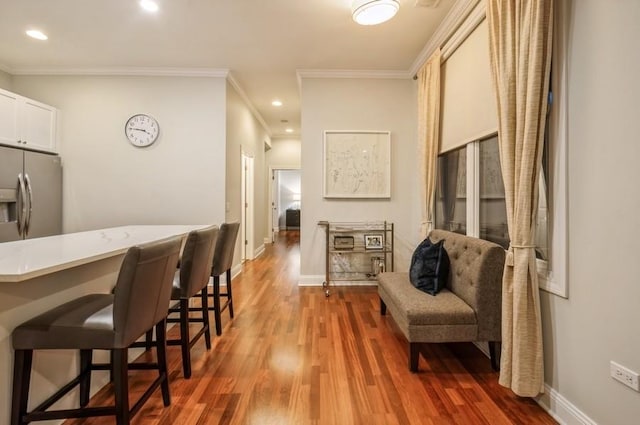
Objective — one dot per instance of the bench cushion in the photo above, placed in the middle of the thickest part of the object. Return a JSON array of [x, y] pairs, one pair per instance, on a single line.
[[425, 318]]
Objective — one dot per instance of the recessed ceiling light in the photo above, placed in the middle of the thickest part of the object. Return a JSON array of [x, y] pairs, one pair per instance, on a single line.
[[149, 5], [39, 35], [289, 130], [276, 103]]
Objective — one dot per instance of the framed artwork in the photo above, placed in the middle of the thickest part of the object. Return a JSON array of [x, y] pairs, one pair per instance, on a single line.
[[373, 241], [357, 164], [343, 242]]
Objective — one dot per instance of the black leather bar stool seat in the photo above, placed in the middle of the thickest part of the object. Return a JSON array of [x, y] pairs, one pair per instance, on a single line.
[[102, 321], [191, 280], [222, 262]]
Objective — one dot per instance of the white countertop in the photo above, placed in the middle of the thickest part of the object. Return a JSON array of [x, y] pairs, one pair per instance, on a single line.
[[26, 259]]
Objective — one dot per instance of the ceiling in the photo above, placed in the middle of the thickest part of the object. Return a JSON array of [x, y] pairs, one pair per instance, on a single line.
[[261, 42]]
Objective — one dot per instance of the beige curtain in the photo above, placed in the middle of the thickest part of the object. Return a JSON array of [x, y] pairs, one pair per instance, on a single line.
[[520, 33], [428, 135]]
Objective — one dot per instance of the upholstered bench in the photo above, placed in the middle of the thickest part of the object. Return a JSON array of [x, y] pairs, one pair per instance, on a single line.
[[468, 309]]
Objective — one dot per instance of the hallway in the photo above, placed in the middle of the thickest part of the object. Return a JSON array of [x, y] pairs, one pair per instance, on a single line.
[[293, 356]]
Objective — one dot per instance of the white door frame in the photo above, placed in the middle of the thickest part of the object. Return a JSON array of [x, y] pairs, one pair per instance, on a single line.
[[247, 205], [272, 189]]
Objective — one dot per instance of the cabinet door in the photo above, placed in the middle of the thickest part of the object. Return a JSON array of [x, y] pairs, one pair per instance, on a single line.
[[38, 126], [9, 106]]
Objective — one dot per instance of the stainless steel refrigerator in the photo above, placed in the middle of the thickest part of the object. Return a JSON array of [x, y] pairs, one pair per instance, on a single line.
[[30, 194]]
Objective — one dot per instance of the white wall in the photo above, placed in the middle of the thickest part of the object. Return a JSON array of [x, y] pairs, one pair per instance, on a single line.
[[599, 321], [284, 153], [352, 104], [107, 181], [5, 81], [245, 134]]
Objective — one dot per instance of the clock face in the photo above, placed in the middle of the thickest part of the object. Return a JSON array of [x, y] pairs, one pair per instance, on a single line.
[[142, 130]]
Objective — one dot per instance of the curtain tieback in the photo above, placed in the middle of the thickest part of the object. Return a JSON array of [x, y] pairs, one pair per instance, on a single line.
[[509, 260]]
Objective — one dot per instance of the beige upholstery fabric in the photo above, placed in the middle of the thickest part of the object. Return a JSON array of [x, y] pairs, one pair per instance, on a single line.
[[107, 321], [520, 40], [428, 132], [225, 245], [195, 263], [467, 310]]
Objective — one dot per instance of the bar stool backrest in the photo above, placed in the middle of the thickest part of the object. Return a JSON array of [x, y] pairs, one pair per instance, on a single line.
[[143, 289], [226, 244], [197, 256]]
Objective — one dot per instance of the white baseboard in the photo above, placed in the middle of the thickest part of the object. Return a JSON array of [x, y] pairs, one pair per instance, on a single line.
[[311, 280], [561, 409], [266, 241], [558, 407], [235, 271], [258, 252]]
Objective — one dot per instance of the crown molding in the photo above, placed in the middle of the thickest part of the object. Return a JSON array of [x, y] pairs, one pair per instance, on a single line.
[[250, 105], [352, 73], [142, 72], [454, 19]]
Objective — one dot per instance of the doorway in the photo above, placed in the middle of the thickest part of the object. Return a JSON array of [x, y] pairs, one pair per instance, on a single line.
[[247, 207], [285, 202]]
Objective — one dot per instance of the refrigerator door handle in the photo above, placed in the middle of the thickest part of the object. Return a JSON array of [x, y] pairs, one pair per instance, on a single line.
[[30, 193], [22, 210]]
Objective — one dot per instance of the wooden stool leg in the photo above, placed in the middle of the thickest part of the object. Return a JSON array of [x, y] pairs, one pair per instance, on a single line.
[[121, 385], [148, 339], [21, 378], [161, 352], [204, 300], [85, 373], [184, 337], [229, 293], [216, 305]]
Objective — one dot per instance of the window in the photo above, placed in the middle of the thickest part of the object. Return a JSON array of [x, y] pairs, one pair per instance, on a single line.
[[492, 205], [475, 205], [451, 202]]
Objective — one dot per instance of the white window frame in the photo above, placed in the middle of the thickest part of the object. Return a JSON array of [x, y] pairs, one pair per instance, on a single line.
[[553, 274]]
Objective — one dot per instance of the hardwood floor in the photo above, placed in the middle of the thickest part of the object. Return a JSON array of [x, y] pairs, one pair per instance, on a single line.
[[293, 356]]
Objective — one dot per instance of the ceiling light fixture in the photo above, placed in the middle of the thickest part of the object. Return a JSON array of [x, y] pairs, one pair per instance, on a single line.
[[38, 35], [276, 103], [149, 5], [289, 130], [374, 12]]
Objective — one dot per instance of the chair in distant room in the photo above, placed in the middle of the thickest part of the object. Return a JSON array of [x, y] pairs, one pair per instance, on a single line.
[[222, 262], [192, 280], [111, 322]]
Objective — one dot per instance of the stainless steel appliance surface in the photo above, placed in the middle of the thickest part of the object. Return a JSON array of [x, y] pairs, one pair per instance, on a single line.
[[30, 194]]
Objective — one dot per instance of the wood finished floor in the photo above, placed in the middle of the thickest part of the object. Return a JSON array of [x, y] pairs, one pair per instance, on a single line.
[[292, 356]]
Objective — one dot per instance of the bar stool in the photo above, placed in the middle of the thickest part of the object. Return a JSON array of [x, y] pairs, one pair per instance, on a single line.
[[191, 280], [222, 262], [103, 322]]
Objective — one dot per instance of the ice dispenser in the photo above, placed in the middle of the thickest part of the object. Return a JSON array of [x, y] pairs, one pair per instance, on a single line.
[[8, 205]]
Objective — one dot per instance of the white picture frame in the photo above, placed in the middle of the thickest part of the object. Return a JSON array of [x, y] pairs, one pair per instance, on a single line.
[[357, 164]]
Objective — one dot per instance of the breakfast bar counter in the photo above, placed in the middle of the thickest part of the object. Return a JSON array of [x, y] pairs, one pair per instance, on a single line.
[[39, 274]]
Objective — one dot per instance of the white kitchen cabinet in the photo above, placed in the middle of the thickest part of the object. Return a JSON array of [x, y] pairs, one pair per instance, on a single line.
[[26, 123]]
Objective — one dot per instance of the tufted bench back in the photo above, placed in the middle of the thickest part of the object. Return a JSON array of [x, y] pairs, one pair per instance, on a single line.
[[474, 263]]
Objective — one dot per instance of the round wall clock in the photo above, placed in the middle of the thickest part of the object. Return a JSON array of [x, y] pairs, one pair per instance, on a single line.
[[142, 130]]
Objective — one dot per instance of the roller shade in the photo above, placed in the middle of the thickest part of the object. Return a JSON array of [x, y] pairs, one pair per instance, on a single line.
[[468, 109]]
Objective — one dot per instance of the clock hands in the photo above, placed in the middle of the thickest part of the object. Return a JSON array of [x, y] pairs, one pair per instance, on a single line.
[[140, 129]]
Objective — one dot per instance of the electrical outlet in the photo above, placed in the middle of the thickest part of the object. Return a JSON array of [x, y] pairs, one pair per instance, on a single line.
[[626, 376]]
